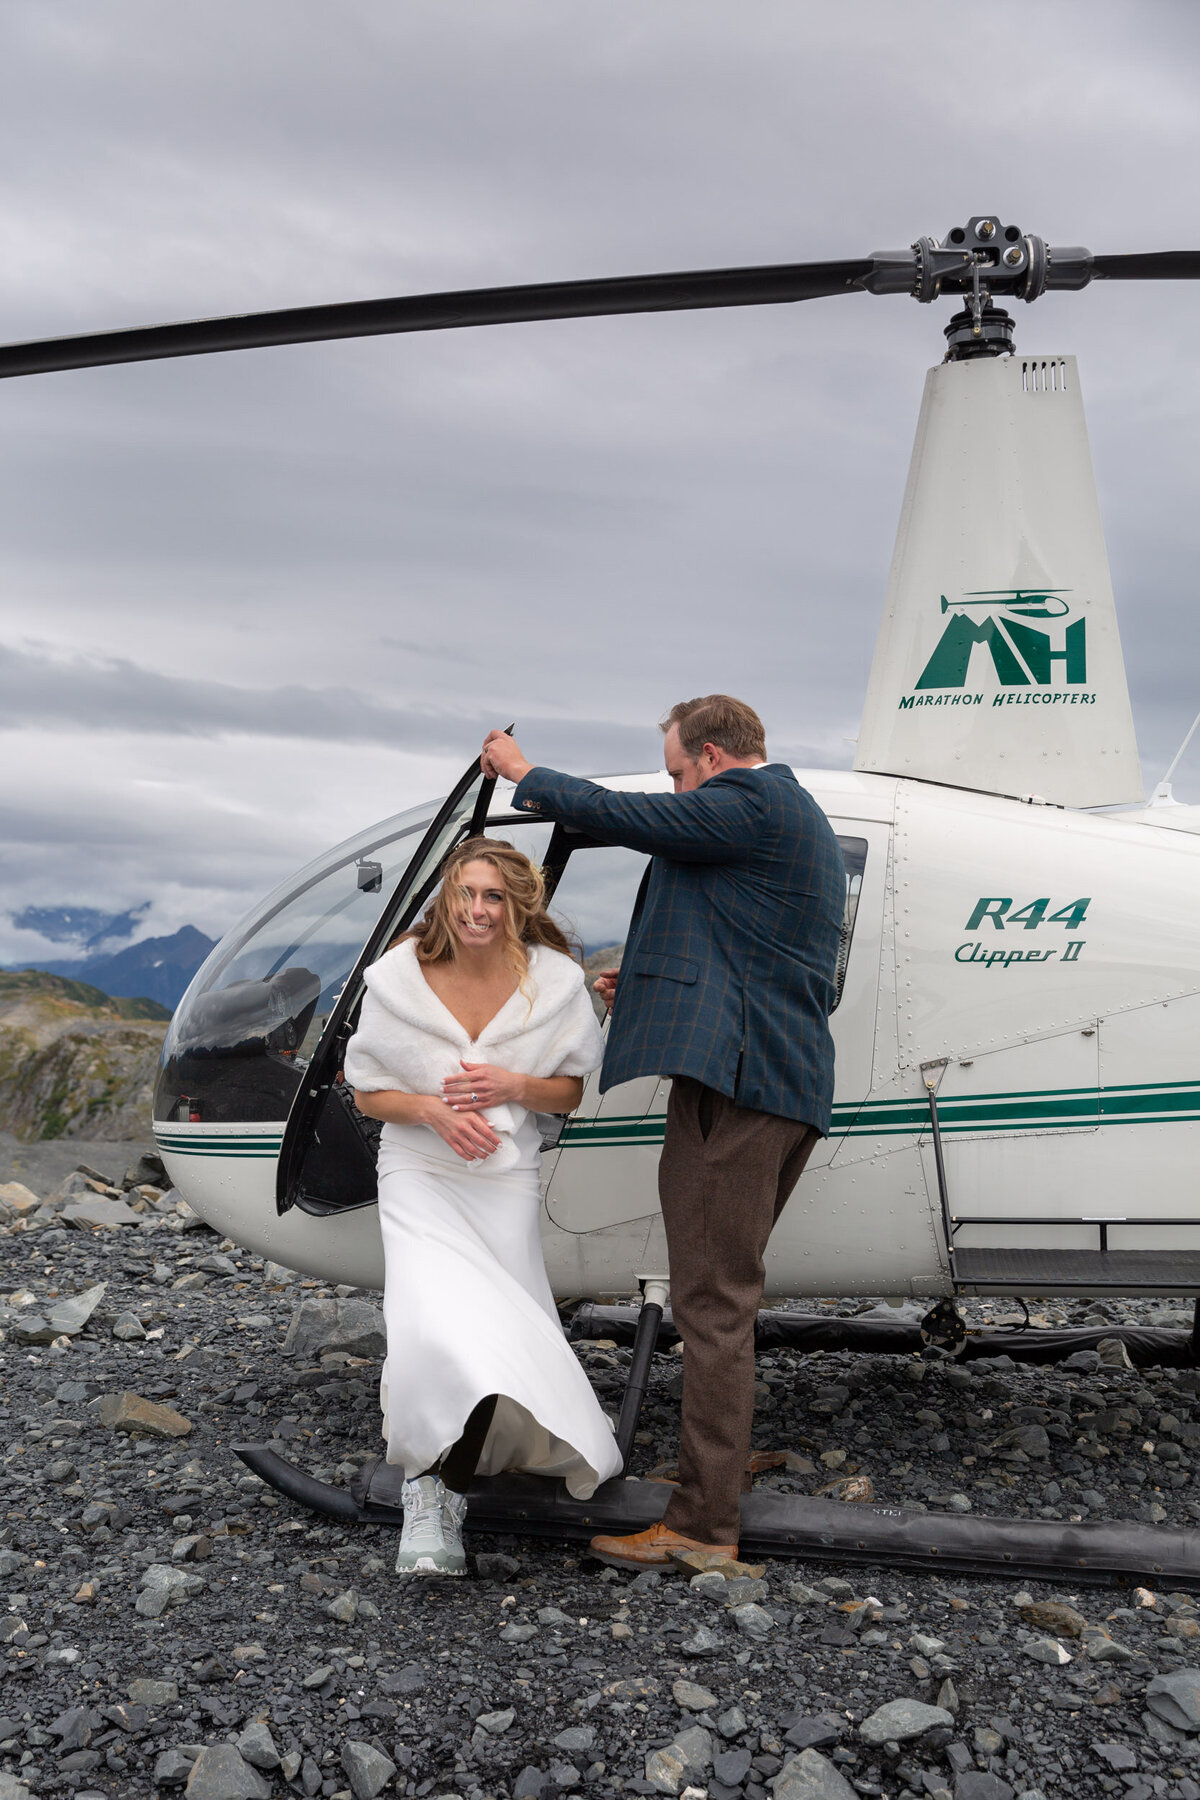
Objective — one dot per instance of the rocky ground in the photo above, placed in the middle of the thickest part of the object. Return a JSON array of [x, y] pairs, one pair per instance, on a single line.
[[170, 1626]]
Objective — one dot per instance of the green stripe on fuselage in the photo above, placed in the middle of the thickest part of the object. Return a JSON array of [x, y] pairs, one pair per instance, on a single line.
[[1051, 1109]]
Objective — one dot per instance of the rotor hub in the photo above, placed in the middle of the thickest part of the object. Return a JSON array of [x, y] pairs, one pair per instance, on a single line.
[[982, 260]]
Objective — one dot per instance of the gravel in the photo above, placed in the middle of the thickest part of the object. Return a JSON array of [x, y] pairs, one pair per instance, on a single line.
[[169, 1626]]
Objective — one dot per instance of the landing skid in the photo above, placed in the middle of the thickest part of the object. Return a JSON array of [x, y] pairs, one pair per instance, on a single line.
[[1095, 1553]]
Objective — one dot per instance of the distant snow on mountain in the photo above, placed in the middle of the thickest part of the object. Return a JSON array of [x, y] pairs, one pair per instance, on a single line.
[[83, 926], [152, 968]]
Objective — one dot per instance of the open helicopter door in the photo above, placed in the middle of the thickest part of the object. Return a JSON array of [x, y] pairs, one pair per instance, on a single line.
[[327, 1159]]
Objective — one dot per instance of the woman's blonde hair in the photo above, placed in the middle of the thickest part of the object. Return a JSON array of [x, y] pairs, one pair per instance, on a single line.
[[526, 920]]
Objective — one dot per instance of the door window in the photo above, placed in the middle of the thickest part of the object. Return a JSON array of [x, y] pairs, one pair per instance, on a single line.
[[854, 855]]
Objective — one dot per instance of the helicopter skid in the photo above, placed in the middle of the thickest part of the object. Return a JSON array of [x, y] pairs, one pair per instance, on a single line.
[[1095, 1553]]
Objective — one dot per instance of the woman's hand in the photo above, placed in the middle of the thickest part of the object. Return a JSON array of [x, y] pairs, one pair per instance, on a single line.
[[482, 1084], [467, 1133]]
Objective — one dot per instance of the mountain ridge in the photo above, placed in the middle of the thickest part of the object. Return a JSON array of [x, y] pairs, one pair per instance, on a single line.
[[155, 968]]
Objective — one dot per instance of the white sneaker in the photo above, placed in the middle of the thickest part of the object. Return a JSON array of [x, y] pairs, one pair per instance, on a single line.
[[454, 1511], [423, 1547]]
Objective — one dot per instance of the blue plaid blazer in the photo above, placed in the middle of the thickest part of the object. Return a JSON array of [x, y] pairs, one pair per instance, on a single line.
[[731, 959]]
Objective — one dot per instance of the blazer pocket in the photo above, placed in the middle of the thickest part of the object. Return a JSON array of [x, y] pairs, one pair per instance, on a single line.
[[670, 968]]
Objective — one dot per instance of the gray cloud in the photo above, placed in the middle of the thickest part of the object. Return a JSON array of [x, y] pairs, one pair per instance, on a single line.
[[295, 585]]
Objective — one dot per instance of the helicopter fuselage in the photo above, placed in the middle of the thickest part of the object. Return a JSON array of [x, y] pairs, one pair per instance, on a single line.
[[1036, 967]]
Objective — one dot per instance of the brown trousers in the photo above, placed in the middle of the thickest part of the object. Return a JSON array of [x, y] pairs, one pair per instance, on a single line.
[[723, 1180]]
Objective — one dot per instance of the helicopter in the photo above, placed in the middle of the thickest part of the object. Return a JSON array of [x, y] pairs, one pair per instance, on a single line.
[[1017, 1104]]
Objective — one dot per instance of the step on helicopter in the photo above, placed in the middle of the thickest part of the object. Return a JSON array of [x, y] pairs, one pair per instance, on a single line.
[[1017, 1025]]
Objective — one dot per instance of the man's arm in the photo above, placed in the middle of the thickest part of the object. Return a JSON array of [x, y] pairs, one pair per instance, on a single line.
[[718, 822]]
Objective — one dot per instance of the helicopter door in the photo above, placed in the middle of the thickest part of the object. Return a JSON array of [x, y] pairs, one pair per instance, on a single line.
[[327, 1159]]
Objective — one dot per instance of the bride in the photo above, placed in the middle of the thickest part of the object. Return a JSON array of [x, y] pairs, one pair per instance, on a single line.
[[472, 1023]]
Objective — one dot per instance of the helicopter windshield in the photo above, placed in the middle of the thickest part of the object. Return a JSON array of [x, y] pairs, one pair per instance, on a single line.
[[251, 1017]]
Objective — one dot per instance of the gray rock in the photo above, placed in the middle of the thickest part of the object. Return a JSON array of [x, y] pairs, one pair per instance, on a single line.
[[319, 1326], [257, 1746], [493, 1565], [98, 1214], [529, 1785], [732, 1722], [496, 1723], [318, 1677], [811, 1776], [220, 1773], [275, 1275], [128, 1328], [901, 1720], [217, 1264], [411, 1679], [976, 1784], [144, 1692], [1048, 1651], [344, 1608], [702, 1642], [164, 1586], [1175, 1697], [575, 1738], [11, 1788], [518, 1634], [173, 1768], [732, 1766], [73, 1729], [752, 1621], [68, 1317], [31, 1328], [1118, 1756], [679, 1763], [948, 1696], [1106, 1649], [809, 1733], [693, 1698], [368, 1769], [1034, 1440]]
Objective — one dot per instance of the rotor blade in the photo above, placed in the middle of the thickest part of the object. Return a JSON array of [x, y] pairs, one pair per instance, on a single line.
[[773, 284], [1153, 265]]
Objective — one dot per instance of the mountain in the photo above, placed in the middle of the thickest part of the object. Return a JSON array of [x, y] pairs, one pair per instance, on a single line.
[[155, 969], [73, 1061], [83, 926]]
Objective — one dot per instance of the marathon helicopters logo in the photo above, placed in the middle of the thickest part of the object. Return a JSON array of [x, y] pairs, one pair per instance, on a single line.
[[991, 630]]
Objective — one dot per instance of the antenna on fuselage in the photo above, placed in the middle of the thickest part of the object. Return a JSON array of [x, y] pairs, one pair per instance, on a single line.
[[1162, 795]]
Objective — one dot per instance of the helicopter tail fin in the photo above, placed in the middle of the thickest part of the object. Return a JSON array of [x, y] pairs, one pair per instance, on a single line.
[[998, 664]]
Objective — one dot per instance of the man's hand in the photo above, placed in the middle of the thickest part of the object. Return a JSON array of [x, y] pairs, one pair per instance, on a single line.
[[605, 985], [502, 756]]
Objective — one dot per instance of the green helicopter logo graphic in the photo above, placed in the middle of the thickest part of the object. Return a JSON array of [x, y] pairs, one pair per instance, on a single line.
[[1022, 655]]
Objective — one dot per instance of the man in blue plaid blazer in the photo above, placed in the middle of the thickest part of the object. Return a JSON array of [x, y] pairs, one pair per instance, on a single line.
[[726, 985]]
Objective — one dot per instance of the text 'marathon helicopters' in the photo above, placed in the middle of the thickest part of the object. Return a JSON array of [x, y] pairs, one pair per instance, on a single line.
[[1018, 1019]]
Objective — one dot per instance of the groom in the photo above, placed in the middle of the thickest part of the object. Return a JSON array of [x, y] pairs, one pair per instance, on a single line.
[[726, 984]]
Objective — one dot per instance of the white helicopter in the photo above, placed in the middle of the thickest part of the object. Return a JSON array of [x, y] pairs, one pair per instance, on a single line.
[[1017, 1105]]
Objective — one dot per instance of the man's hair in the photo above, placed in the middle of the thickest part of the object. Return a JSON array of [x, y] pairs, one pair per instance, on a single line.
[[718, 719]]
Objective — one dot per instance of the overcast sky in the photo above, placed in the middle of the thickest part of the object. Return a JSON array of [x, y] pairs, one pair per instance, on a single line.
[[251, 603]]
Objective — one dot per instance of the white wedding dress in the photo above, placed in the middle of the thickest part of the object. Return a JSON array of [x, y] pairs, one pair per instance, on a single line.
[[467, 1305]]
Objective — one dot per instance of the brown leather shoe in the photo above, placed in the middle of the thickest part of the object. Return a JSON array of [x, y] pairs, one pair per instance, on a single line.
[[651, 1549]]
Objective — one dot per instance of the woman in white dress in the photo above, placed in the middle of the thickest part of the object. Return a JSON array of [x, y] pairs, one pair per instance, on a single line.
[[472, 1023]]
